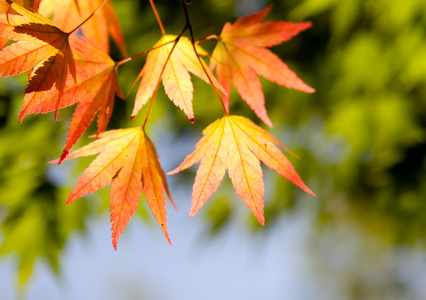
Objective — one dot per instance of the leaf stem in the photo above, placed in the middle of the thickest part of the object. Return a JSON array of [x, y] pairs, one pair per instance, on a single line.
[[87, 19], [121, 62], [189, 27], [210, 37], [158, 17]]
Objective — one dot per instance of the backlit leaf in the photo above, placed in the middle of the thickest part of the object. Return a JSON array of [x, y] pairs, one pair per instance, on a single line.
[[238, 145], [128, 160], [69, 13], [241, 55], [94, 90], [40, 46], [174, 74]]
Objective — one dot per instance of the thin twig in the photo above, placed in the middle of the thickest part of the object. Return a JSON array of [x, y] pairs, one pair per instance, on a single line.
[[189, 27], [158, 17], [210, 37], [121, 62], [87, 19]]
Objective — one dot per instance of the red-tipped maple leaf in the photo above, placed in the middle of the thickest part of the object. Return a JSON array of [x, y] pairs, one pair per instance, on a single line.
[[94, 90], [236, 144], [127, 158], [69, 13], [173, 69], [241, 54], [40, 46]]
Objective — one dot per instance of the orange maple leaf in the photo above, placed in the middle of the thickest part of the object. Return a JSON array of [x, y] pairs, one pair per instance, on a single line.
[[40, 46], [236, 144], [173, 69], [127, 158], [241, 54], [94, 90], [69, 13]]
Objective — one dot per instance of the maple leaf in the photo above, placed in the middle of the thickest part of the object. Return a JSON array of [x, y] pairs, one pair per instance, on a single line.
[[69, 13], [238, 145], [174, 72], [127, 158], [40, 46], [94, 90], [241, 54]]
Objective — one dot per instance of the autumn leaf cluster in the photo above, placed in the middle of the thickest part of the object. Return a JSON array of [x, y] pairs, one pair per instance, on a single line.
[[63, 45]]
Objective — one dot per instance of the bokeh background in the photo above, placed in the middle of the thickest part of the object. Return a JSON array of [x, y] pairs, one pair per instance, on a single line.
[[361, 140]]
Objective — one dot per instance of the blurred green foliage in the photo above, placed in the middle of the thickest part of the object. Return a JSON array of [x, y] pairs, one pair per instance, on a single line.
[[371, 90], [361, 136], [35, 222]]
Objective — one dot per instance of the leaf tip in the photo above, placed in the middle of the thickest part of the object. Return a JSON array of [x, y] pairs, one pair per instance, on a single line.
[[115, 236], [168, 239], [304, 187], [53, 161], [63, 156], [192, 120], [194, 211], [307, 24], [309, 191], [173, 203], [310, 90], [114, 244], [56, 114], [269, 123], [174, 171]]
